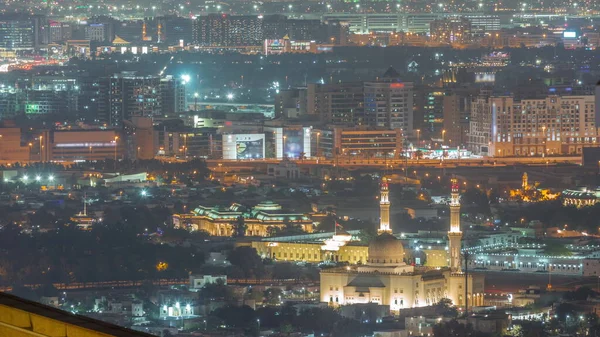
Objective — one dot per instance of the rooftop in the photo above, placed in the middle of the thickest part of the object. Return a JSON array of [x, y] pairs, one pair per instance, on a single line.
[[28, 318]]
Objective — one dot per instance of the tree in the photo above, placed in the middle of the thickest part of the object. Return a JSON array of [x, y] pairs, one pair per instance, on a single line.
[[239, 317], [367, 234], [445, 308], [273, 296], [239, 227], [455, 329], [247, 260], [286, 271]]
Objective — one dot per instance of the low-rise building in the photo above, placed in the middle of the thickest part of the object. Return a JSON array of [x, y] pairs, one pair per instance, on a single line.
[[199, 281], [260, 220]]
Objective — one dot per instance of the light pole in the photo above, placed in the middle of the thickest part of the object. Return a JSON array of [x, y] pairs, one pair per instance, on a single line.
[[284, 139], [443, 137], [116, 145], [418, 138], [258, 322], [41, 155], [90, 156], [195, 101]]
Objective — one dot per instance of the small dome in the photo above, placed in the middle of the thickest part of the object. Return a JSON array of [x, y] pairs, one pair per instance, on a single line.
[[385, 248]]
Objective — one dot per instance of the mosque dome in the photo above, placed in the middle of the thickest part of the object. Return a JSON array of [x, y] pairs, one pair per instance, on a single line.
[[385, 248]]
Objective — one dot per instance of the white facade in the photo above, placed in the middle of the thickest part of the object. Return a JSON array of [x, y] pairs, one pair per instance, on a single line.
[[244, 146], [199, 281], [502, 126], [591, 267], [95, 32], [480, 126]]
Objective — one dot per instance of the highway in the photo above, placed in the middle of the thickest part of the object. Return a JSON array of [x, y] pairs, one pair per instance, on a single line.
[[160, 282], [354, 163]]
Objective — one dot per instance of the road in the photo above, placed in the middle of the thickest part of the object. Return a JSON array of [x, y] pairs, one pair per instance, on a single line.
[[361, 163]]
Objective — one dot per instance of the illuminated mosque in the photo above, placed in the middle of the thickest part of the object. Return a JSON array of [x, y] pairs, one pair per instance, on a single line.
[[386, 279]]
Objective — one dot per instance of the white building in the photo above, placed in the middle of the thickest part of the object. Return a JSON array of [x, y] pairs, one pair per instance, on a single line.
[[199, 281], [502, 126], [591, 267], [95, 32], [387, 280]]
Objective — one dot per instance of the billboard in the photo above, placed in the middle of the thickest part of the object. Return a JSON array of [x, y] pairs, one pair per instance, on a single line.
[[244, 146], [569, 35], [293, 143], [485, 77]]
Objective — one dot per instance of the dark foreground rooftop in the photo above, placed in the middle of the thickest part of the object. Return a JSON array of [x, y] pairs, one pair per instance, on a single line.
[[21, 317]]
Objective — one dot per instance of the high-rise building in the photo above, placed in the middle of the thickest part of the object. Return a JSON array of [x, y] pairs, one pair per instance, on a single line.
[[428, 110], [172, 93], [384, 209], [59, 31], [483, 23], [291, 103], [389, 102], [450, 30], [20, 32], [131, 31], [454, 234], [96, 32], [245, 30], [133, 95], [94, 99], [480, 126], [337, 103], [101, 28], [226, 30], [548, 126], [456, 115], [176, 29]]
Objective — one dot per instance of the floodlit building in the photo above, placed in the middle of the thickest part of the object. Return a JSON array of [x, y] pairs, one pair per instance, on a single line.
[[386, 279], [260, 220], [503, 126]]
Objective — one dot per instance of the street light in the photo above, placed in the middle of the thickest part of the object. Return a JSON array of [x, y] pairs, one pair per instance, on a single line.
[[116, 145], [443, 136], [41, 158]]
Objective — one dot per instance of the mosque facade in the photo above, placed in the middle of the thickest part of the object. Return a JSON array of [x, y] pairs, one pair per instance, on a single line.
[[386, 279]]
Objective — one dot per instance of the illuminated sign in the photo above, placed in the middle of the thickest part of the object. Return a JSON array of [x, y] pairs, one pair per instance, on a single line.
[[569, 35], [485, 77], [109, 144], [397, 85], [244, 146]]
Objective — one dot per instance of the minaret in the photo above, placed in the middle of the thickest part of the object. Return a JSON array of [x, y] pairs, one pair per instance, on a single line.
[[454, 235], [384, 209]]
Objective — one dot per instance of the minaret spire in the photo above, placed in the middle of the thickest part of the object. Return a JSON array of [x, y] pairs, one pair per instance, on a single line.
[[384, 208], [454, 235]]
